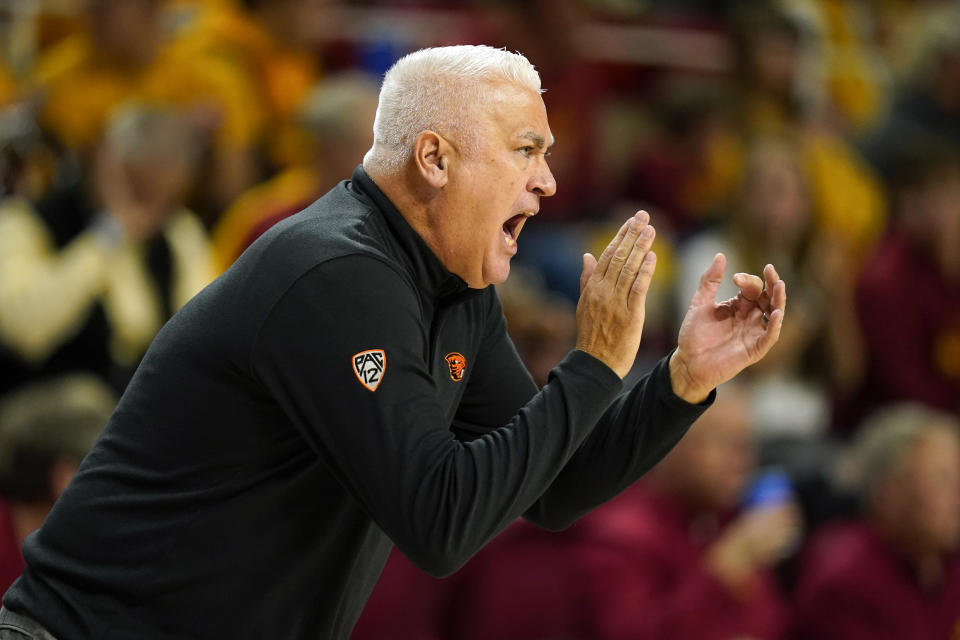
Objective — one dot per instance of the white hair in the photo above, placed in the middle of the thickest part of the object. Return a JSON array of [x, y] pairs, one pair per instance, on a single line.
[[434, 89]]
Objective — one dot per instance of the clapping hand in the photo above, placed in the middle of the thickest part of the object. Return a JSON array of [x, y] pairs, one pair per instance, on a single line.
[[719, 339], [613, 294]]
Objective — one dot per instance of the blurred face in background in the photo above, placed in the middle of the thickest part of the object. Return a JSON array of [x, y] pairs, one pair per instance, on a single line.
[[940, 205], [159, 184], [337, 152], [775, 198], [773, 56], [710, 467], [144, 167], [925, 497]]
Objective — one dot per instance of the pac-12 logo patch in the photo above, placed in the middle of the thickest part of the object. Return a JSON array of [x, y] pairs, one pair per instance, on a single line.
[[369, 366], [457, 365]]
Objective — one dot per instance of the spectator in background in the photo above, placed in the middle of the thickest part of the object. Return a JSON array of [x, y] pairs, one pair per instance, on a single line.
[[90, 273], [669, 558], [773, 221], [689, 169], [913, 342], [336, 120], [45, 430], [893, 574], [846, 57], [775, 97], [124, 54], [926, 108], [273, 45]]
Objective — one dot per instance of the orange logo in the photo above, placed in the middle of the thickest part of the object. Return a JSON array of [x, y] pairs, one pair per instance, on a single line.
[[457, 365], [369, 367]]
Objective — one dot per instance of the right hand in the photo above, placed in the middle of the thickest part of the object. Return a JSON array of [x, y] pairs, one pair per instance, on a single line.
[[756, 540], [613, 294]]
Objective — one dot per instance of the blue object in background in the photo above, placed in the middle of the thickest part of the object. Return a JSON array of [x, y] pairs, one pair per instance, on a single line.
[[379, 54], [769, 488]]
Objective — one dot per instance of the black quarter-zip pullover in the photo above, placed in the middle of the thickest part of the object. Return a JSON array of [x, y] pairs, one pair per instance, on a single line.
[[335, 392]]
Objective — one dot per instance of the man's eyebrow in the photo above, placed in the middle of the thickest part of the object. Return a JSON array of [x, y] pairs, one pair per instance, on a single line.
[[537, 139]]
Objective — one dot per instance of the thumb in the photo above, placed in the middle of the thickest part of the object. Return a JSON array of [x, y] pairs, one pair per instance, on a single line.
[[710, 280], [589, 264]]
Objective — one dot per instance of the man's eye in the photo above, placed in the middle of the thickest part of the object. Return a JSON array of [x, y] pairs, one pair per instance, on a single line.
[[526, 150]]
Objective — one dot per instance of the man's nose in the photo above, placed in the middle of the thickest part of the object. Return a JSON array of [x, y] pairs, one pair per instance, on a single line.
[[542, 182]]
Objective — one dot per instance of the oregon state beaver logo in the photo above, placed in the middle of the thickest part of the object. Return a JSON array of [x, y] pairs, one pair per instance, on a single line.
[[457, 365], [369, 367]]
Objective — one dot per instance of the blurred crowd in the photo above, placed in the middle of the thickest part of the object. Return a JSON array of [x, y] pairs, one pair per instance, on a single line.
[[144, 144]]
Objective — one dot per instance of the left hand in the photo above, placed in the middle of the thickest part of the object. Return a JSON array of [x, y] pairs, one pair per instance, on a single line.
[[719, 339]]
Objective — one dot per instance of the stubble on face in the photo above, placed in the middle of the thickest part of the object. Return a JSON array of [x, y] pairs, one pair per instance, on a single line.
[[492, 189]]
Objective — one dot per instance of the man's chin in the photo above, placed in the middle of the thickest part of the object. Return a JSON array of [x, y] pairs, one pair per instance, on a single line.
[[496, 275]]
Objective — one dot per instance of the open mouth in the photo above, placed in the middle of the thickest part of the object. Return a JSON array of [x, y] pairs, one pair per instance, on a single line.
[[512, 227]]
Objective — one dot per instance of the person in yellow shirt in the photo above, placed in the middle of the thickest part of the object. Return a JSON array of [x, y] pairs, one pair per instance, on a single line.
[[274, 43], [336, 121], [848, 200], [125, 54], [90, 273]]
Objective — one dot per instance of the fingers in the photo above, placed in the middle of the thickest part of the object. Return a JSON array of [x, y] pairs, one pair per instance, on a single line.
[[619, 250], [589, 265], [609, 314], [774, 295], [778, 289], [770, 276], [637, 263], [604, 262], [641, 283], [775, 316], [750, 286], [710, 281], [762, 292]]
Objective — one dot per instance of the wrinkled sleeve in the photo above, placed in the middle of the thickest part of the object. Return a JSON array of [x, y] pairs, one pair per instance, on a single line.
[[438, 498], [631, 436], [634, 434]]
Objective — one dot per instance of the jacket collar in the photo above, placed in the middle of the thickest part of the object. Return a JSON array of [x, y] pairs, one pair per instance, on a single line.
[[433, 278]]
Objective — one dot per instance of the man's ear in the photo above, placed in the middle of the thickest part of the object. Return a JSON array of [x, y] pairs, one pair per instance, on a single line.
[[431, 154]]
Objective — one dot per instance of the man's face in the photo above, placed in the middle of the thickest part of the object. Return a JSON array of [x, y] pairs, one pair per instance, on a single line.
[[494, 188]]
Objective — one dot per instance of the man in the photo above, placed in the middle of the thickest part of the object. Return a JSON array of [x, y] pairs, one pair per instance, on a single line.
[[894, 573], [298, 417]]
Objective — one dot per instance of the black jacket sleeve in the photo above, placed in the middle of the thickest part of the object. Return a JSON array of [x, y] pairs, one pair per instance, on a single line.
[[439, 499], [635, 432]]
